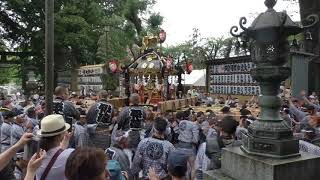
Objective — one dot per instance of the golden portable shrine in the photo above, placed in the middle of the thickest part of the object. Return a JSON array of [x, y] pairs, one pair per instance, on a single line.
[[148, 75]]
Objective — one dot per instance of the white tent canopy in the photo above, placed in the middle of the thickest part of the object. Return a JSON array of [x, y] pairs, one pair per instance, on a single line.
[[195, 78]]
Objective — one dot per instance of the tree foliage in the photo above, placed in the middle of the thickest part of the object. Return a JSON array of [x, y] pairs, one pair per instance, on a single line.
[[79, 24], [10, 75], [86, 31], [200, 50], [76, 29]]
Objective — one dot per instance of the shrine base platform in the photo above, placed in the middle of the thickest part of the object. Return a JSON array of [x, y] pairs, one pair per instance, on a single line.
[[236, 165]]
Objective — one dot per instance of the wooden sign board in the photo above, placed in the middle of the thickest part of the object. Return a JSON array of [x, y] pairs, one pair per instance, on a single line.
[[232, 76]]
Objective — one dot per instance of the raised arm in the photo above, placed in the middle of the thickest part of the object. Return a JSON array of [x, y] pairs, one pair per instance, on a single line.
[[295, 111], [306, 100], [7, 155], [303, 95], [34, 163]]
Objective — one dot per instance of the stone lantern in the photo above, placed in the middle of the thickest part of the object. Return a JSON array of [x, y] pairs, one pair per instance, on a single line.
[[269, 151], [270, 136], [31, 83]]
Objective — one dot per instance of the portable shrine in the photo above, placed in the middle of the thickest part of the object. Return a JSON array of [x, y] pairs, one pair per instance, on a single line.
[[149, 73]]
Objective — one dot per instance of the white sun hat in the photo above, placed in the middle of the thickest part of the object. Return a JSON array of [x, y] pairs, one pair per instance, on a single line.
[[53, 125]]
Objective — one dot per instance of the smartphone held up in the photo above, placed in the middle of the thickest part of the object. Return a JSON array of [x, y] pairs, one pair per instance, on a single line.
[[32, 147]]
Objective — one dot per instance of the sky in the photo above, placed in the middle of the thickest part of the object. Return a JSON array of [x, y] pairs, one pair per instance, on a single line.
[[213, 18]]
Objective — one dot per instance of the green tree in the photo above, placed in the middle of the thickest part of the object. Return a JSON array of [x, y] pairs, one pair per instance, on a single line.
[[123, 31], [200, 50], [10, 74], [81, 35]]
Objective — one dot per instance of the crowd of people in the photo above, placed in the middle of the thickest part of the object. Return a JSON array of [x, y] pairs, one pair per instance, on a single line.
[[98, 142]]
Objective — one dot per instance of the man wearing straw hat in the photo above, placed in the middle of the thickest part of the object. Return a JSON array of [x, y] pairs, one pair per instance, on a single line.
[[54, 139]]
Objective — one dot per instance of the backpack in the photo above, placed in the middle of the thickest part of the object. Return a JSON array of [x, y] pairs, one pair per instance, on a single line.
[[213, 151]]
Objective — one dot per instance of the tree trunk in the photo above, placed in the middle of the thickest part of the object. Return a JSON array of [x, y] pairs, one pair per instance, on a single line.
[[74, 79]]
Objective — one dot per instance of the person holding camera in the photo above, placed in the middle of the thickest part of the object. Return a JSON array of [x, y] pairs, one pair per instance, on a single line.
[[6, 163], [33, 164], [54, 139]]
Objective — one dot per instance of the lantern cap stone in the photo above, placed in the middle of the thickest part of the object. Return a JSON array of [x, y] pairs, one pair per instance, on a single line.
[[273, 20]]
